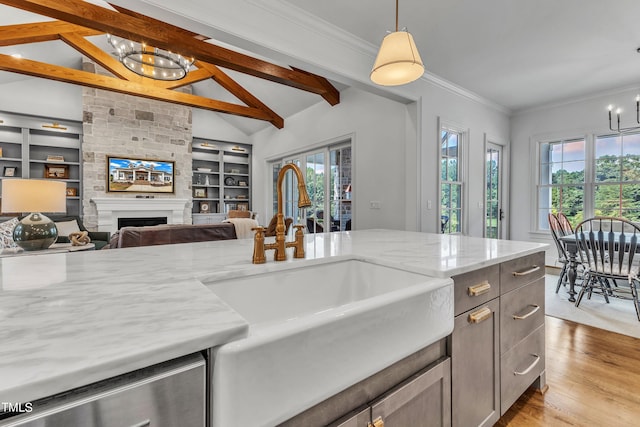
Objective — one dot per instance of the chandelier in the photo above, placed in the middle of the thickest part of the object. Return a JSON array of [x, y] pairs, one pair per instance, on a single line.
[[398, 61], [151, 62], [618, 111]]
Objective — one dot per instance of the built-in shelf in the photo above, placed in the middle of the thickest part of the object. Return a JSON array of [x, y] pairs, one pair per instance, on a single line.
[[216, 186], [26, 150]]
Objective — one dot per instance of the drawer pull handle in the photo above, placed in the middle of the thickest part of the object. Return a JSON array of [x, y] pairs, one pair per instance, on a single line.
[[376, 423], [144, 423], [533, 269], [480, 315], [479, 289], [530, 313], [526, 371]]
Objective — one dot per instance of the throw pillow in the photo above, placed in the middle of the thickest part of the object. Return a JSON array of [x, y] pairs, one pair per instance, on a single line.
[[6, 233], [67, 227]]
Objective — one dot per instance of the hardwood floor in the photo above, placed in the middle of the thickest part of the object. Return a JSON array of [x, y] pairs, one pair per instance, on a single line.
[[593, 377]]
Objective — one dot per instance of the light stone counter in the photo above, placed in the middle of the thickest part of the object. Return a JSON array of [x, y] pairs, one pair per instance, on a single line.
[[68, 320]]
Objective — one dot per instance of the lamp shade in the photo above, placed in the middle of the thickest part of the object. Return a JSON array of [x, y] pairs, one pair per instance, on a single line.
[[33, 195], [398, 61]]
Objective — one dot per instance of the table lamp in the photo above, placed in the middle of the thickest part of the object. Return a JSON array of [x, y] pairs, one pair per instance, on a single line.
[[35, 231]]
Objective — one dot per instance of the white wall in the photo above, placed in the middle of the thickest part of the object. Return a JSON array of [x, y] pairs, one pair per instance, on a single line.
[[478, 120], [210, 125], [578, 118], [377, 126], [40, 97]]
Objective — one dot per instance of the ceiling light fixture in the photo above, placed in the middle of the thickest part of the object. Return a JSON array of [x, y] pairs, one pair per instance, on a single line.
[[151, 62], [398, 61], [618, 111]]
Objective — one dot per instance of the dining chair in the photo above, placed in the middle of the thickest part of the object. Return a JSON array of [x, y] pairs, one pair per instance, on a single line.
[[563, 258], [565, 225], [608, 247]]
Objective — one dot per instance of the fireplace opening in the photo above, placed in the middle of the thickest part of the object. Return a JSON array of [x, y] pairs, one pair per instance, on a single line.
[[141, 222]]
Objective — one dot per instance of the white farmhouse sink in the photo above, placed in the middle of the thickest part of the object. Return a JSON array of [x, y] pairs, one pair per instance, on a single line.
[[317, 329]]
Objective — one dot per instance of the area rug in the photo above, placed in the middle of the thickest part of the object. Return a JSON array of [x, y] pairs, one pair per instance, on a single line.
[[617, 316]]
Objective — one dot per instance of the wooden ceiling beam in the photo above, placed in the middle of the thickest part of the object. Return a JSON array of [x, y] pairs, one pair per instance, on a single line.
[[165, 37], [84, 78], [98, 55], [240, 92], [40, 32]]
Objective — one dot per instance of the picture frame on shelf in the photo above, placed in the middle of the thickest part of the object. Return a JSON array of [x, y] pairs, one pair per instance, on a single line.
[[56, 171], [205, 207], [199, 193], [242, 206], [10, 171], [72, 192], [0, 151], [242, 183]]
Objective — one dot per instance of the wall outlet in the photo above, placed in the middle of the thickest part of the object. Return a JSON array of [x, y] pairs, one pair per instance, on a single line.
[[429, 204], [374, 204]]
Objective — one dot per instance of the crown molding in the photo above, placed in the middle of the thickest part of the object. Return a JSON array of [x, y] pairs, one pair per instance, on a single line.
[[577, 99], [307, 21]]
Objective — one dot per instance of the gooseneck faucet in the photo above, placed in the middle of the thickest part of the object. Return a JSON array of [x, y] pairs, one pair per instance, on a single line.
[[259, 247]]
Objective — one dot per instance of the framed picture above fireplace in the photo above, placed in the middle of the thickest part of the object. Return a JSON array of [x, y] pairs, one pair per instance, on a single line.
[[131, 175]]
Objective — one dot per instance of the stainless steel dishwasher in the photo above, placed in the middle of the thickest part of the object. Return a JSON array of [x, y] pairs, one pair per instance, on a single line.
[[171, 394]]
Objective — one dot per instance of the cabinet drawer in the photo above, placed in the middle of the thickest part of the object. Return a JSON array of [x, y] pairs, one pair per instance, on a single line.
[[520, 271], [475, 288], [168, 395], [521, 312], [520, 367]]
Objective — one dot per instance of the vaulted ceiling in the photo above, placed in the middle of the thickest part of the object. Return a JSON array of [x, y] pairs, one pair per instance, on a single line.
[[516, 54], [76, 22]]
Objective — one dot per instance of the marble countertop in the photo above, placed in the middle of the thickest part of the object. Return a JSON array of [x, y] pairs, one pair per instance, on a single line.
[[71, 319]]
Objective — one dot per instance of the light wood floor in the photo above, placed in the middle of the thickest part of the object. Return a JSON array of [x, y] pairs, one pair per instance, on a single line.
[[593, 377]]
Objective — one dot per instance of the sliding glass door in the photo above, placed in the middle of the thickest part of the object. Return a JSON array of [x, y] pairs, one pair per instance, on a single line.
[[327, 173]]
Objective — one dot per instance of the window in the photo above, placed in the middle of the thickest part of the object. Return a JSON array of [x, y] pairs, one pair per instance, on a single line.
[[451, 181], [594, 176], [617, 176], [327, 171], [562, 178]]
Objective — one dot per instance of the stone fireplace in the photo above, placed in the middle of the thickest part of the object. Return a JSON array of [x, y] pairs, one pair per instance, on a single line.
[[110, 209], [123, 125]]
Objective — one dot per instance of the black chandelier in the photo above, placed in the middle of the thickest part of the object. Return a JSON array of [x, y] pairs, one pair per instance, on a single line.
[[618, 111]]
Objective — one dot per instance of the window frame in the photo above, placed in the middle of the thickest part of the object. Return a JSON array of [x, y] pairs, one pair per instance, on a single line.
[[590, 184], [463, 136]]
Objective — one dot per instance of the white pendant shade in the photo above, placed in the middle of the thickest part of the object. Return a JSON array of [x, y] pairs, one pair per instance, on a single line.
[[398, 61]]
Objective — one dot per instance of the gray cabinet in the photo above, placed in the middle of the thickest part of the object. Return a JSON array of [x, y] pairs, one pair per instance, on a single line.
[[38, 147], [497, 345], [475, 361], [424, 400], [167, 395], [221, 179], [522, 349]]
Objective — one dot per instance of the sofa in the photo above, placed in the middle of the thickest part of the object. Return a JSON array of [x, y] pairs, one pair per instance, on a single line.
[[66, 224], [128, 237]]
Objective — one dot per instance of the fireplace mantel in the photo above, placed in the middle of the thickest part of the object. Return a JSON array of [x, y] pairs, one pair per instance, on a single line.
[[111, 208]]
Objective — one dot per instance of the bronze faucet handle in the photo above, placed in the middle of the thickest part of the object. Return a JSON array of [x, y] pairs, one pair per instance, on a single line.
[[258, 246]]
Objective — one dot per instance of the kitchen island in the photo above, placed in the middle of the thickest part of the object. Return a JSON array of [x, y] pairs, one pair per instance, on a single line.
[[69, 320]]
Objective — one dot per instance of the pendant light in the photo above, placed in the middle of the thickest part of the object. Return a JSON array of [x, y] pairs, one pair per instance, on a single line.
[[398, 61]]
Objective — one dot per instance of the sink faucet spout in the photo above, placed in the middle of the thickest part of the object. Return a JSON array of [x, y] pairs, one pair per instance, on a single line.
[[280, 244]]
